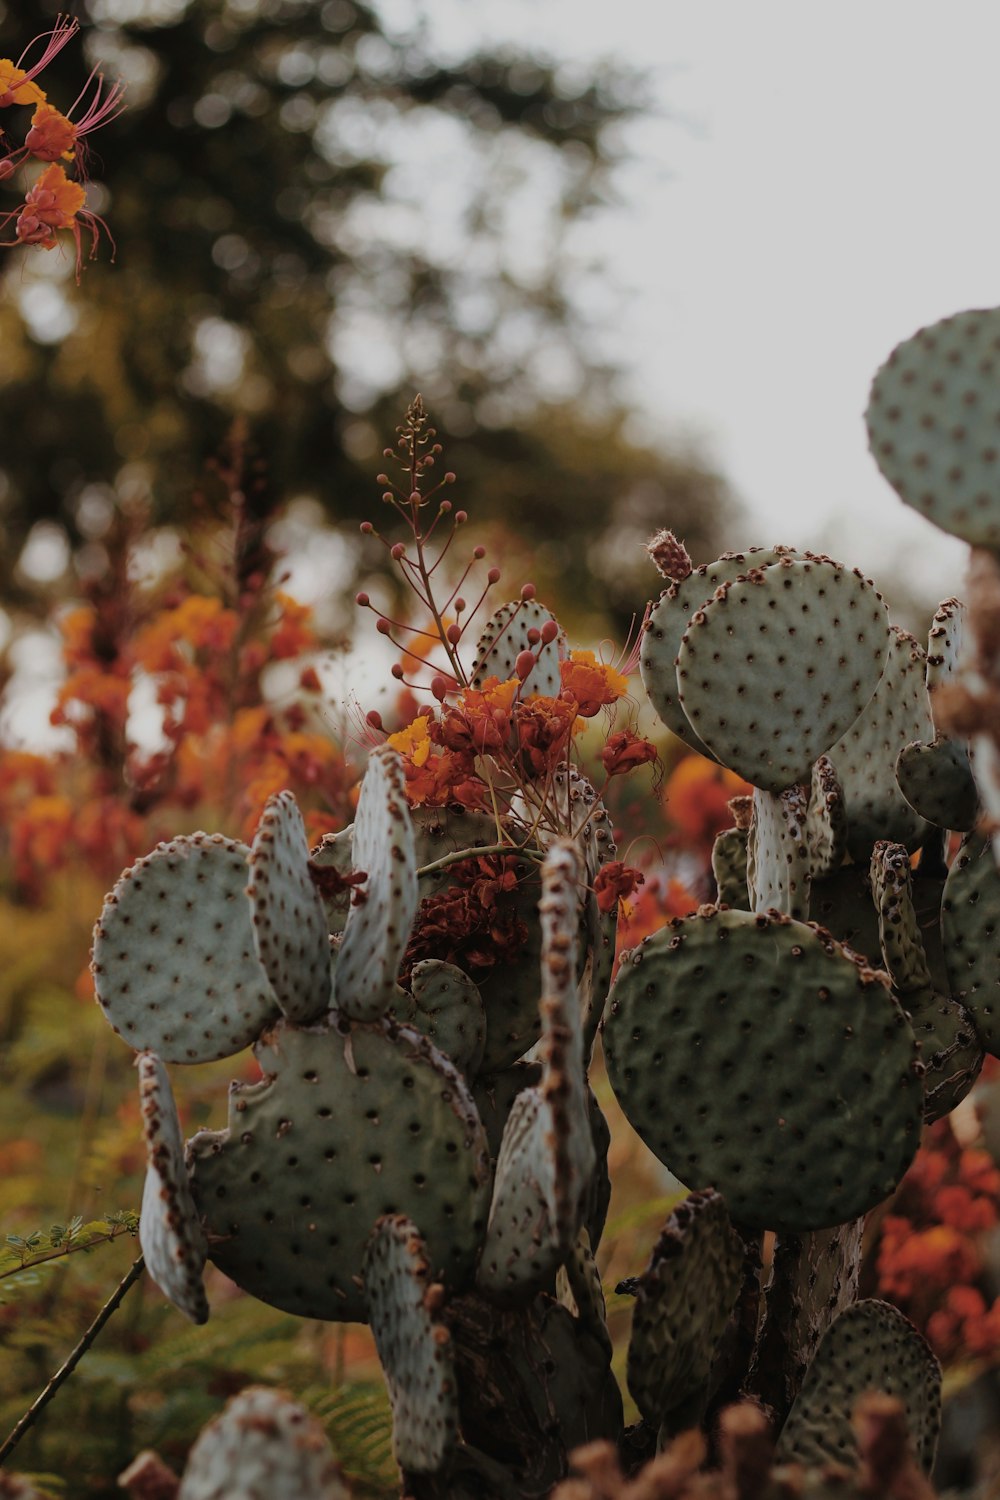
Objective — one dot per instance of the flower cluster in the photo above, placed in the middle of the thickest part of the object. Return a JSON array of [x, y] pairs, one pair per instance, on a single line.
[[54, 200], [930, 1256], [201, 648], [483, 741]]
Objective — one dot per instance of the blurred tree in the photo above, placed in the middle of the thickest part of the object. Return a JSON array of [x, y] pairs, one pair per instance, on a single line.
[[317, 211]]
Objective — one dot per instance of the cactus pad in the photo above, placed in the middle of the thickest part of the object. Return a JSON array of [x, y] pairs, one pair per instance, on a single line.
[[938, 783], [668, 620], [449, 1010], [826, 820], [546, 1156], [169, 1232], [348, 1125], [865, 757], [174, 965], [414, 1345], [505, 636], [777, 665], [729, 867], [263, 1444], [778, 854], [749, 1052], [289, 923], [870, 1347], [932, 424], [971, 939], [683, 1302], [378, 924]]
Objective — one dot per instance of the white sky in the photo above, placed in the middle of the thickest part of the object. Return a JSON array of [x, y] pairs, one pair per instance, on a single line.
[[825, 183]]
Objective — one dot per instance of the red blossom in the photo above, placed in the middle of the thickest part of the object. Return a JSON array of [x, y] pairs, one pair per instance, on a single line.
[[624, 751], [614, 881]]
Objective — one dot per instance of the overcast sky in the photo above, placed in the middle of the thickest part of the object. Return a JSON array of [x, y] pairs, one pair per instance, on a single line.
[[822, 182]]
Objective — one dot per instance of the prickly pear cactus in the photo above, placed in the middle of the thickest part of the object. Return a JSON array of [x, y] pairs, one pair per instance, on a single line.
[[264, 1444]]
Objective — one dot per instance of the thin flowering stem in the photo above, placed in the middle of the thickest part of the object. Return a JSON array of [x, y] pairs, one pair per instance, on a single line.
[[15, 78], [480, 851]]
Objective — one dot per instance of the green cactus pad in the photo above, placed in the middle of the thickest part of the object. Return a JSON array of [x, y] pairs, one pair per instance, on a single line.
[[263, 1445], [776, 666], [449, 1010], [579, 1288], [169, 1232], [378, 924], [174, 964], [949, 1047], [865, 757], [683, 1302], [932, 424], [505, 636], [668, 620], [577, 802], [826, 820], [349, 1124], [546, 1159], [937, 781], [945, 643], [970, 937], [289, 923], [778, 854], [870, 1347], [729, 866], [751, 1053], [413, 1343], [842, 903]]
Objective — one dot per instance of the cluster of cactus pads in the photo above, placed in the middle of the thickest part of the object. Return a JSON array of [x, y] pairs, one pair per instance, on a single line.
[[431, 1159]]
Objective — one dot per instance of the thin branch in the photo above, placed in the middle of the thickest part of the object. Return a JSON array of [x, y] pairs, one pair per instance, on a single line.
[[72, 1360]]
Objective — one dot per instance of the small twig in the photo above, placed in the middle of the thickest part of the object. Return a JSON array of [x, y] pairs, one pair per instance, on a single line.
[[68, 1247], [72, 1360], [459, 856]]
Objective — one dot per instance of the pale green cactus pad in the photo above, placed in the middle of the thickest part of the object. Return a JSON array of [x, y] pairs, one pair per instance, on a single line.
[[729, 866], [865, 757], [348, 1125], [171, 1237], [778, 861], [449, 1010], [668, 620], [932, 424], [289, 923], [971, 937], [506, 634], [949, 1047], [870, 1347], [776, 666], [750, 1052], [174, 965], [264, 1445], [379, 920], [826, 820], [546, 1158], [683, 1301], [413, 1343], [590, 823], [936, 777], [937, 781]]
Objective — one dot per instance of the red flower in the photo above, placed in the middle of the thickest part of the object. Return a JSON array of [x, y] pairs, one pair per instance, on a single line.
[[625, 750], [615, 880]]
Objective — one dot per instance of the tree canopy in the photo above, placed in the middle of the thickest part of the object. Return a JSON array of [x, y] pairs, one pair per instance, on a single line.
[[316, 212]]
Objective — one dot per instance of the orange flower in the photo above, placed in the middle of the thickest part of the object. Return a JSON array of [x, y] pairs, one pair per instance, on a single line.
[[16, 82], [293, 633], [615, 881], [626, 750], [413, 742], [56, 203], [696, 796], [53, 135], [589, 683]]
